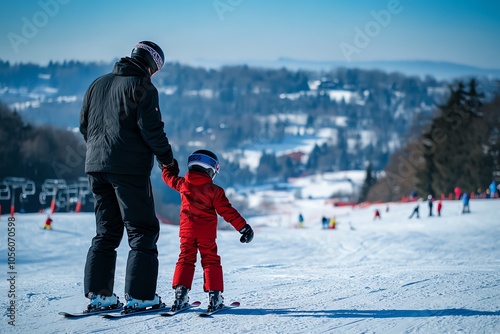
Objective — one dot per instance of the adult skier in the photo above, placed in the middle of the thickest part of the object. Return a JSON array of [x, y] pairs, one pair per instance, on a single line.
[[465, 200], [493, 189], [430, 202], [120, 121]]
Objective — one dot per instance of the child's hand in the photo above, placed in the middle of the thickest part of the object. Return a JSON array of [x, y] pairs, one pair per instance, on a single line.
[[247, 234]]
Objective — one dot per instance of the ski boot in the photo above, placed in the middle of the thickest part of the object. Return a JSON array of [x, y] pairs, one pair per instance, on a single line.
[[101, 302], [138, 304], [215, 300], [181, 298]]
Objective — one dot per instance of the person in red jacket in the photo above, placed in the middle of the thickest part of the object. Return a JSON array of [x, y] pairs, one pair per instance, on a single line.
[[201, 201], [48, 223]]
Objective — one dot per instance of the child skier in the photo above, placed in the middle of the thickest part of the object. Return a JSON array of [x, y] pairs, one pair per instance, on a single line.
[[333, 223], [301, 220], [324, 222], [48, 223], [201, 201]]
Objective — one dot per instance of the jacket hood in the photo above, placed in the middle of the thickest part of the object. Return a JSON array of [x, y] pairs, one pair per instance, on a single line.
[[130, 67], [197, 178]]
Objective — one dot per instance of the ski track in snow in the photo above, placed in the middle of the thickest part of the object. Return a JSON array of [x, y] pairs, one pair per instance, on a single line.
[[427, 275]]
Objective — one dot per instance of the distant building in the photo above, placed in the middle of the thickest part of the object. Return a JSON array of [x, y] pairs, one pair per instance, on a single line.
[[295, 156]]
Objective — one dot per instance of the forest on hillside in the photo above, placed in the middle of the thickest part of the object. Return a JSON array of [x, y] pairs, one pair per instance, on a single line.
[[234, 107], [460, 147], [377, 122]]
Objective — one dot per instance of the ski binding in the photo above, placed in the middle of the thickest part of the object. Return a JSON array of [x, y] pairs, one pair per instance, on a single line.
[[223, 308]]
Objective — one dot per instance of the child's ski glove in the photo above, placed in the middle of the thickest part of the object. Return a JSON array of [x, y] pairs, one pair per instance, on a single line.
[[247, 234]]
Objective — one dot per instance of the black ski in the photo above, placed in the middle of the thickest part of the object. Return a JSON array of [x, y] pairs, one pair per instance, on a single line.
[[224, 308], [123, 313], [93, 312], [172, 313]]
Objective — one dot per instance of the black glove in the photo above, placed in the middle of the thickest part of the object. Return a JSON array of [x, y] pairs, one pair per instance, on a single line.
[[247, 234], [173, 168]]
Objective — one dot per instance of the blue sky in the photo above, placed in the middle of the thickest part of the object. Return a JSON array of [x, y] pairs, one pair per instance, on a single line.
[[466, 32]]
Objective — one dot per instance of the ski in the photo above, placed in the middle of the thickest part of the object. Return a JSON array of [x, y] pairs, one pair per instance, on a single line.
[[123, 314], [224, 308], [172, 313], [94, 312]]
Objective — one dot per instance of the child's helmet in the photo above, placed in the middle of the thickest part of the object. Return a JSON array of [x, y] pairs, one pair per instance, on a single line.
[[205, 161]]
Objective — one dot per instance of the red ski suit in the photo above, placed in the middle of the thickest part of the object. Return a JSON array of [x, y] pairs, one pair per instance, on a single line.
[[201, 201]]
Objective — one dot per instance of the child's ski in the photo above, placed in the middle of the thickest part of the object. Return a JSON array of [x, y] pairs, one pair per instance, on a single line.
[[171, 313], [224, 308]]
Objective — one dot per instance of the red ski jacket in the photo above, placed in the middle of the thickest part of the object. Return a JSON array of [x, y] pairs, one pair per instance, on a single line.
[[201, 201]]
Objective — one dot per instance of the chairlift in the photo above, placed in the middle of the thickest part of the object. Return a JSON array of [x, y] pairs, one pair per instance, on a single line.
[[4, 191], [29, 188], [15, 182], [52, 186], [71, 193]]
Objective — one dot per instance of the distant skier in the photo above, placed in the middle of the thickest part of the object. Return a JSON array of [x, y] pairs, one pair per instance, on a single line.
[[201, 202], [301, 220], [439, 207], [415, 211], [493, 189], [430, 201], [377, 215], [413, 194], [324, 222], [48, 223], [465, 200], [333, 223], [457, 192]]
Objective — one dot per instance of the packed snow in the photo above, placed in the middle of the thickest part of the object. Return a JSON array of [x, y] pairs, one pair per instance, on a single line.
[[394, 275]]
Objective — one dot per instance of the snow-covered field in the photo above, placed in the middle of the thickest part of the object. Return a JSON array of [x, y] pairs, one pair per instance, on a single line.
[[432, 275]]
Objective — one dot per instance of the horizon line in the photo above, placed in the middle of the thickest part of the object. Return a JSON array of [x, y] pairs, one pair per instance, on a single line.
[[244, 61]]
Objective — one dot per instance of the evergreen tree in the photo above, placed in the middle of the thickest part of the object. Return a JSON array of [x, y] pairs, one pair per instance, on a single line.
[[312, 162], [461, 147], [268, 166], [12, 131], [38, 153], [451, 151], [370, 180]]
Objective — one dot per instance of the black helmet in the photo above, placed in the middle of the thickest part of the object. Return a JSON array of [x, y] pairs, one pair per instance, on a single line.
[[150, 53], [204, 160]]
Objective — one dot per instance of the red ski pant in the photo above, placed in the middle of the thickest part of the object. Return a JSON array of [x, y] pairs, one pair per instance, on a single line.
[[210, 261]]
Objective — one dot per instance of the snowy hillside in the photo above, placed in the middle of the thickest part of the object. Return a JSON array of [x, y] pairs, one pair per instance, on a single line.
[[431, 275]]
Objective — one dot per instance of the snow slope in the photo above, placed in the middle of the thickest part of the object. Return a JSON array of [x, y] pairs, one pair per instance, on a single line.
[[432, 275]]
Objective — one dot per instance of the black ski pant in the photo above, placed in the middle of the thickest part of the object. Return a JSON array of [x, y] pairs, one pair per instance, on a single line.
[[123, 202]]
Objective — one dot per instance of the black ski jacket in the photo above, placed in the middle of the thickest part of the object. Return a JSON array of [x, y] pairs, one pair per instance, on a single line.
[[121, 122]]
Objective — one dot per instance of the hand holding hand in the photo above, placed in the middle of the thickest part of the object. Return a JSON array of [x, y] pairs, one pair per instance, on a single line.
[[173, 168]]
